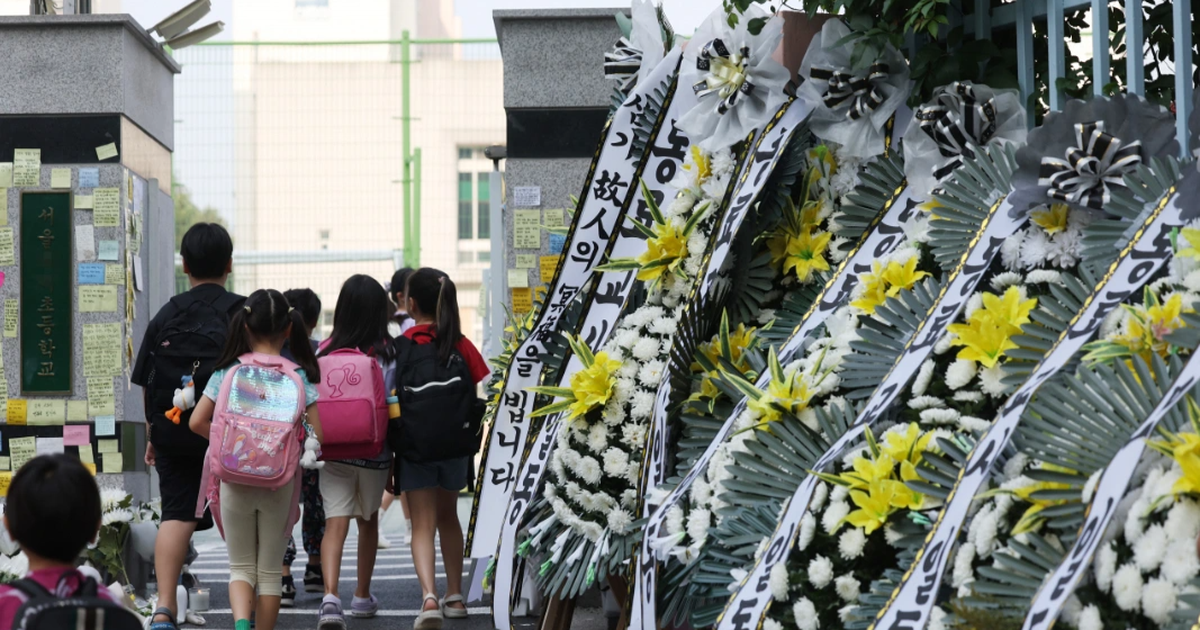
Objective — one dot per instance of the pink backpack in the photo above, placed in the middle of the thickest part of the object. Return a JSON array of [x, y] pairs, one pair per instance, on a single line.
[[257, 434], [352, 406]]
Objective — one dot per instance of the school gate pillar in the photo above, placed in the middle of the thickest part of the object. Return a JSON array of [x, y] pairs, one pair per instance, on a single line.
[[87, 235]]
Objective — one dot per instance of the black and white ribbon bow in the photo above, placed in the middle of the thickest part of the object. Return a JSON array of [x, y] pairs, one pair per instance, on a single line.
[[859, 94], [726, 74], [622, 64], [1098, 162], [957, 122]]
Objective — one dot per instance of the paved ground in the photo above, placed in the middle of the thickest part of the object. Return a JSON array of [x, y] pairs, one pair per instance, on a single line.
[[395, 584]]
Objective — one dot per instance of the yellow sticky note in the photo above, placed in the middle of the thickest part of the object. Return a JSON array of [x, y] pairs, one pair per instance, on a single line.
[[45, 412], [518, 278], [107, 446], [526, 261], [84, 202], [549, 264], [6, 171], [97, 298], [3, 393], [554, 218], [27, 167], [7, 256], [106, 205], [111, 462], [107, 151], [3, 205], [527, 229], [11, 309], [16, 411], [5, 463], [87, 457], [60, 178], [91, 468], [5, 482], [22, 450], [77, 410], [101, 401], [114, 273], [522, 301], [102, 349]]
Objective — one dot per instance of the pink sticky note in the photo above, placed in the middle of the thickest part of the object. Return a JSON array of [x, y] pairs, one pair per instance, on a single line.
[[1, 278], [76, 435]]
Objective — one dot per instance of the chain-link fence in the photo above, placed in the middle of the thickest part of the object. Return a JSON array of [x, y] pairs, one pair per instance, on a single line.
[[299, 149]]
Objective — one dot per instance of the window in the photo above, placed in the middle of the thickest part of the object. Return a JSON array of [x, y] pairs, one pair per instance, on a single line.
[[474, 205], [464, 153], [324, 237], [484, 206], [466, 209]]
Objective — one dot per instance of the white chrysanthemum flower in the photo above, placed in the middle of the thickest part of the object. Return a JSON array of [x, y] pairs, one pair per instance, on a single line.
[[847, 587], [1071, 610], [651, 374], [642, 404], [1035, 248], [1135, 523], [851, 543], [832, 518], [916, 229], [940, 416], [839, 493], [1192, 280], [598, 438], [964, 572], [674, 520], [625, 338], [616, 462], [960, 373], [698, 523], [989, 380], [771, 624], [937, 619], [1127, 588], [119, 515], [1183, 521], [924, 376], [1158, 600], [1010, 253], [777, 581], [819, 496], [1015, 465], [589, 470], [967, 396], [1089, 618], [111, 498], [619, 521], [838, 248], [892, 536], [1043, 276], [1180, 564], [985, 533], [974, 303], [628, 370], [1165, 485], [646, 348], [943, 344], [808, 528], [1005, 279], [820, 572], [634, 435], [925, 402], [806, 614]]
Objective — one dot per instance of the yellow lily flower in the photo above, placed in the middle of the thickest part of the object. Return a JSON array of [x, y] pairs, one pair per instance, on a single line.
[[791, 394], [1192, 236], [668, 244], [869, 471], [884, 282], [806, 254], [874, 506], [593, 386], [1030, 520], [907, 446], [984, 339], [1008, 309], [1052, 220]]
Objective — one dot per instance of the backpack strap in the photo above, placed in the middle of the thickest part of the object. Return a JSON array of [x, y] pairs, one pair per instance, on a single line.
[[31, 588]]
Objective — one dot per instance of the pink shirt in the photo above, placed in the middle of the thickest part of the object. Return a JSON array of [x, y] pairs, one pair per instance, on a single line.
[[60, 582]]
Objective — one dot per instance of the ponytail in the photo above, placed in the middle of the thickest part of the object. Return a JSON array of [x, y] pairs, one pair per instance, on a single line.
[[266, 314], [434, 294]]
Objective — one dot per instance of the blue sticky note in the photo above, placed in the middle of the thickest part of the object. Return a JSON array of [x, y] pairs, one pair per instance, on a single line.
[[91, 273], [106, 425], [89, 178], [557, 242]]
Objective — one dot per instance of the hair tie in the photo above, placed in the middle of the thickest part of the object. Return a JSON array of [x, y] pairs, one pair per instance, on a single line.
[[247, 307], [442, 280]]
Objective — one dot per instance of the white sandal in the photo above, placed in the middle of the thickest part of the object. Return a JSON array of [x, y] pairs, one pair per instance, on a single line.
[[454, 613], [429, 619]]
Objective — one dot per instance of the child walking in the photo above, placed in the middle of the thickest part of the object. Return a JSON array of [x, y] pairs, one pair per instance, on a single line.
[[353, 488], [432, 487], [253, 412]]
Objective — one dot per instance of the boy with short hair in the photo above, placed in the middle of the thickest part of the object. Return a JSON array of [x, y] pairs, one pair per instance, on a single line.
[[179, 352], [53, 512]]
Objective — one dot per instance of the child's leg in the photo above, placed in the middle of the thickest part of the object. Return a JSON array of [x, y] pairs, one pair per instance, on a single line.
[[312, 527], [289, 556], [450, 531], [272, 523], [238, 515], [368, 544], [336, 529]]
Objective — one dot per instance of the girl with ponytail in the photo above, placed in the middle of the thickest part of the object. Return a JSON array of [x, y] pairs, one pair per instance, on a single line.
[[432, 487]]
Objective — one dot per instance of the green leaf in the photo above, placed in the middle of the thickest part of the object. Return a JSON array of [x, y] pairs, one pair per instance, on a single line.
[[552, 409]]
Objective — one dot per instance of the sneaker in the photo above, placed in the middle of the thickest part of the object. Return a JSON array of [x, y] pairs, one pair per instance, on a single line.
[[329, 616], [314, 579], [364, 608], [288, 597], [384, 543]]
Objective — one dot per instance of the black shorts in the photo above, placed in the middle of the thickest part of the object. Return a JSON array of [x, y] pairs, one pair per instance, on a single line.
[[179, 485]]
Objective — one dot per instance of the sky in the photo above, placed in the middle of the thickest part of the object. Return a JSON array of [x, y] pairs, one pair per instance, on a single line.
[[476, 15]]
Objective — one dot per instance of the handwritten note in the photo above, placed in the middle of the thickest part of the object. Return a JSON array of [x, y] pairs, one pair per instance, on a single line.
[[557, 243], [5, 482], [518, 278], [98, 299], [60, 178], [548, 267], [114, 273], [554, 218], [5, 463], [107, 211], [15, 414], [527, 196], [89, 177], [3, 205], [21, 450], [108, 446], [6, 174], [106, 152], [91, 273], [526, 261], [86, 457], [7, 255], [3, 393], [102, 349], [522, 301], [527, 229], [111, 463], [77, 435], [100, 400], [108, 250], [27, 167], [43, 412], [50, 446], [11, 308], [106, 425], [77, 411], [85, 243], [84, 202]]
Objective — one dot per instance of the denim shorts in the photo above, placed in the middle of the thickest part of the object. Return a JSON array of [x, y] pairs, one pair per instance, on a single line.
[[450, 474]]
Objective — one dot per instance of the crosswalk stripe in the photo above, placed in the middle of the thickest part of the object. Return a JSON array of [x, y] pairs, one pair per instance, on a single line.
[[345, 567], [341, 579], [479, 610]]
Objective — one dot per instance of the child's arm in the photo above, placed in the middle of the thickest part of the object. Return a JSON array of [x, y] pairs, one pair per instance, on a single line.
[[201, 422], [314, 420]]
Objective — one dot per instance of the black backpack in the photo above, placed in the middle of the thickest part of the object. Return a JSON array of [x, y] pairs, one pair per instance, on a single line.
[[83, 610], [189, 344], [440, 413]]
